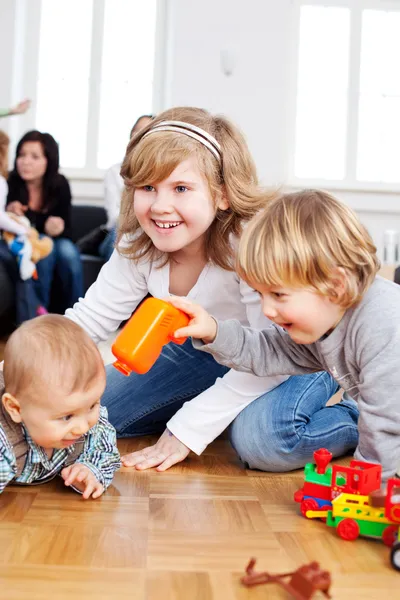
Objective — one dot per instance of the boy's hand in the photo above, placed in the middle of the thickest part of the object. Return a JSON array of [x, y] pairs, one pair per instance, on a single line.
[[166, 452], [83, 479], [201, 325]]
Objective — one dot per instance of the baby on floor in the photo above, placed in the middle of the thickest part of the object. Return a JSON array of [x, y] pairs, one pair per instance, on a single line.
[[51, 421]]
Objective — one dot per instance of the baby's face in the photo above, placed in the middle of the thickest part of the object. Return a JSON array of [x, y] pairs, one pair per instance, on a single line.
[[57, 420]]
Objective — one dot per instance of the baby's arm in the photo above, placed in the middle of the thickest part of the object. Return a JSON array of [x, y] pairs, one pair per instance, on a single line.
[[100, 455], [7, 461], [9, 224]]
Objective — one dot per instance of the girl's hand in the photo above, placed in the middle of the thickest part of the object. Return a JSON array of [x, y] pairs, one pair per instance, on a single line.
[[17, 208], [201, 325], [54, 226], [166, 452], [82, 478]]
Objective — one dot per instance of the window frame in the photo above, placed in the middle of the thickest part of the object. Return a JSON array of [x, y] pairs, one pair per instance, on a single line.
[[349, 182], [29, 27]]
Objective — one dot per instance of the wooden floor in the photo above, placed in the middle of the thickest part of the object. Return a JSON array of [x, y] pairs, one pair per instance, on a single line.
[[186, 534]]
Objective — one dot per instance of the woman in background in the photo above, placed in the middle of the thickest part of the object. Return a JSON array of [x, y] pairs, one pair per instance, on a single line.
[[38, 191]]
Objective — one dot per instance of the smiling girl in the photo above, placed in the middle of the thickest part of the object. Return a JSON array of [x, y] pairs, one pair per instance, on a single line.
[[190, 187]]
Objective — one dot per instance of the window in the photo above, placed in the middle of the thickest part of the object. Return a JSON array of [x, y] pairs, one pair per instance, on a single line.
[[348, 93], [95, 76]]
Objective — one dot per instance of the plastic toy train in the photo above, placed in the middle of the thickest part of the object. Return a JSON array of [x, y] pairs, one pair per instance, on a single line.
[[351, 500]]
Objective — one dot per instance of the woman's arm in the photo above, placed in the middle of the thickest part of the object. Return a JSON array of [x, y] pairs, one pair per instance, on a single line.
[[60, 207]]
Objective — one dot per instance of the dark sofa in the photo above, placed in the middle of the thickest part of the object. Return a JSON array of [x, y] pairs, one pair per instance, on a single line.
[[84, 219]]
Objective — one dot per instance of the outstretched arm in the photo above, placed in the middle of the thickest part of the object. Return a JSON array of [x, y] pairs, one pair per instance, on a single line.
[[263, 353], [100, 456], [18, 109]]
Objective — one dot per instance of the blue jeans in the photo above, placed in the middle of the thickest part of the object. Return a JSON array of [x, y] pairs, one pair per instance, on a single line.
[[277, 432], [26, 300], [106, 247], [65, 262]]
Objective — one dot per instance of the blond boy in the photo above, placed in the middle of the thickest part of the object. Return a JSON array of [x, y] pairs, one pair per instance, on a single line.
[[314, 267], [51, 421]]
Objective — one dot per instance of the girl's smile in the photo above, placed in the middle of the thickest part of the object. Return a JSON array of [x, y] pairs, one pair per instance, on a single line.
[[177, 212], [166, 226]]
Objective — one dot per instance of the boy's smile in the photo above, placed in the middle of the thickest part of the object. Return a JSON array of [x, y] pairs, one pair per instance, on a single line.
[[303, 313]]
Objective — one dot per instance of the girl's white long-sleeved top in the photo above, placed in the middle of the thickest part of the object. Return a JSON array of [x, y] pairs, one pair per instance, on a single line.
[[123, 283]]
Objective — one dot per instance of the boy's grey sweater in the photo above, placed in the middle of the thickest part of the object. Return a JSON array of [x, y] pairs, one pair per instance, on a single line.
[[362, 354]]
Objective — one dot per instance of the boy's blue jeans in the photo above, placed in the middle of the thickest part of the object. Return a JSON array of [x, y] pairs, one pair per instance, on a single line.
[[277, 432]]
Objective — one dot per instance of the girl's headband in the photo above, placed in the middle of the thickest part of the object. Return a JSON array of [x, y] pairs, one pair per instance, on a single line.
[[192, 131]]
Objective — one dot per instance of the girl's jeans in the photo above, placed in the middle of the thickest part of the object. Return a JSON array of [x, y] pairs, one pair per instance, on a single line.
[[277, 432]]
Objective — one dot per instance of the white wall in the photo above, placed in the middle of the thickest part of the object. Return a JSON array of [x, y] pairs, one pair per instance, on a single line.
[[257, 34]]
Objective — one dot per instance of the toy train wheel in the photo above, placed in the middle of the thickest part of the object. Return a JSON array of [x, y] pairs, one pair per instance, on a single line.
[[348, 529], [389, 535], [308, 504], [395, 556]]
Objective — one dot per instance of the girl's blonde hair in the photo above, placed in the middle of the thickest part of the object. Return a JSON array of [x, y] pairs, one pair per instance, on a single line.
[[4, 144], [301, 239], [151, 159]]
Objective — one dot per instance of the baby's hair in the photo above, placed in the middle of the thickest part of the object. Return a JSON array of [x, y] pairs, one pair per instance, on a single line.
[[4, 144], [301, 239], [152, 158], [50, 353]]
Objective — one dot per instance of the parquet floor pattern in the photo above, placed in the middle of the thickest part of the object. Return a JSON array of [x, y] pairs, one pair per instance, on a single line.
[[186, 534]]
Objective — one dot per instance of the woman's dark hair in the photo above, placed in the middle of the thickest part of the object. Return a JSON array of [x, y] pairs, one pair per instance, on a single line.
[[51, 178]]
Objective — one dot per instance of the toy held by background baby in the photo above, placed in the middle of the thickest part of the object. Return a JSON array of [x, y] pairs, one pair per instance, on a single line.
[[140, 342], [28, 248]]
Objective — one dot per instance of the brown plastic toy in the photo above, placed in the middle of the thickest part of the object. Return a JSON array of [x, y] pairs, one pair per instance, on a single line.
[[140, 342], [303, 582]]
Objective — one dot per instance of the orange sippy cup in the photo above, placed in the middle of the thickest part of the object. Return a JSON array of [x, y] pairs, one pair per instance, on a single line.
[[140, 342]]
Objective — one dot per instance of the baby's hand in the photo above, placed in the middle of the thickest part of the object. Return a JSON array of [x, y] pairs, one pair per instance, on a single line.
[[201, 325], [166, 452], [83, 479]]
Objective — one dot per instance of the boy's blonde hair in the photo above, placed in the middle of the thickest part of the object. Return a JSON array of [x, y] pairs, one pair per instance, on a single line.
[[50, 353], [301, 239], [151, 159], [4, 144]]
